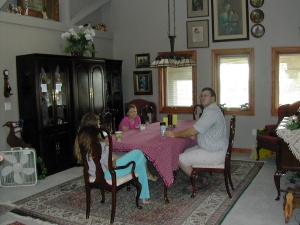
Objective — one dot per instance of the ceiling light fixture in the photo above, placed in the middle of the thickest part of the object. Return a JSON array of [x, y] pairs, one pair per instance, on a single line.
[[171, 59]]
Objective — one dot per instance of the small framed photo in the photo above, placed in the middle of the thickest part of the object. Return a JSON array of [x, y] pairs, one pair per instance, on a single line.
[[257, 30], [256, 3], [142, 60], [197, 34], [142, 82], [230, 20], [197, 8]]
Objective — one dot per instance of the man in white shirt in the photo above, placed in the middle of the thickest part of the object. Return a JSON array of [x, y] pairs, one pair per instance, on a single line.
[[210, 131]]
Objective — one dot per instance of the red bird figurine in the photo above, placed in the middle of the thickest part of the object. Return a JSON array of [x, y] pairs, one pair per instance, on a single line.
[[12, 140]]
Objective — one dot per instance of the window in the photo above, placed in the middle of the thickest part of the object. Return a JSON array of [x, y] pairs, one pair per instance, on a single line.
[[285, 76], [233, 80], [178, 87]]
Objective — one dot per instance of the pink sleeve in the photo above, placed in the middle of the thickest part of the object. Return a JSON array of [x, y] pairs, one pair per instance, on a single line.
[[124, 123]]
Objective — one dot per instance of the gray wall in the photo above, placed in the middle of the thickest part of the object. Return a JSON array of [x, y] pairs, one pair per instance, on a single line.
[[24, 35], [142, 28], [135, 27]]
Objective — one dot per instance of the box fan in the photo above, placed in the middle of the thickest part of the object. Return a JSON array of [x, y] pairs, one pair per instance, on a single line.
[[18, 167]]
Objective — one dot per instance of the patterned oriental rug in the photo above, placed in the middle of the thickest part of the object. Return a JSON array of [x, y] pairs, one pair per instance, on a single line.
[[65, 203]]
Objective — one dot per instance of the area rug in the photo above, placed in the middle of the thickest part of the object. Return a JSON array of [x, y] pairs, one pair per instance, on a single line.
[[13, 223], [65, 203], [4, 208]]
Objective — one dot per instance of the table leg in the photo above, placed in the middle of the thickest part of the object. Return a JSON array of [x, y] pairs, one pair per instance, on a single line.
[[277, 176], [166, 194]]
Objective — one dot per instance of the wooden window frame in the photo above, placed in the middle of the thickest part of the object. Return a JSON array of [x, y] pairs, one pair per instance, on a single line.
[[215, 78], [162, 75], [276, 51]]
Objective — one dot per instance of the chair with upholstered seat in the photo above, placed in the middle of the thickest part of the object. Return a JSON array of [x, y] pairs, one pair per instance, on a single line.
[[145, 109], [269, 140], [220, 168], [99, 182]]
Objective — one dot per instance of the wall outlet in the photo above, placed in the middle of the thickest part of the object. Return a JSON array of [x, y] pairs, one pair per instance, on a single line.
[[7, 106], [254, 132]]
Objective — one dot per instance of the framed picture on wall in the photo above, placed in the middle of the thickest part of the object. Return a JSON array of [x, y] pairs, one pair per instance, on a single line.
[[197, 8], [197, 34], [36, 8], [142, 60], [142, 82], [230, 20]]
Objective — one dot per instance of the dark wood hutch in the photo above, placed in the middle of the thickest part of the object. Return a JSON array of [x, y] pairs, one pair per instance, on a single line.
[[55, 91]]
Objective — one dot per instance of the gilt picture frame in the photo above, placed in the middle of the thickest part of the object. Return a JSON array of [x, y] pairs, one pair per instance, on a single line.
[[142, 82], [142, 60], [230, 20], [197, 8], [197, 34]]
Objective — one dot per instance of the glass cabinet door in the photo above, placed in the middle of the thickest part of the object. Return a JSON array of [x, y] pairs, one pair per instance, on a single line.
[[60, 90], [53, 98], [46, 95]]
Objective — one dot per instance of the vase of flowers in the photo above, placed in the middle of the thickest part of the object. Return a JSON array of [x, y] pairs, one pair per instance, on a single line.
[[80, 42]]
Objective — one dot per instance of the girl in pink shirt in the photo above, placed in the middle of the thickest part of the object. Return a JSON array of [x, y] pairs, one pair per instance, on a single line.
[[131, 121]]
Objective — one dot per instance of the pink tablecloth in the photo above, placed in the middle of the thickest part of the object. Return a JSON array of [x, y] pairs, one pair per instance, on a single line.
[[163, 153]]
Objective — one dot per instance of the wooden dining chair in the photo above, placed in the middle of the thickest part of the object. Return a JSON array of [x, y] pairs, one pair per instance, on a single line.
[[108, 120], [198, 110], [99, 182], [219, 168], [145, 109]]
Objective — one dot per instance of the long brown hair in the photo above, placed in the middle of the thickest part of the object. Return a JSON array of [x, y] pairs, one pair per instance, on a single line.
[[84, 138]]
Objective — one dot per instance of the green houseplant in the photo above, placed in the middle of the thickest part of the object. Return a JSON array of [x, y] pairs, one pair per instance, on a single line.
[[79, 42]]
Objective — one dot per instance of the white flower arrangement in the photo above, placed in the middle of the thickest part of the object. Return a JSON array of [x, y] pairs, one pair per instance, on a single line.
[[79, 42]]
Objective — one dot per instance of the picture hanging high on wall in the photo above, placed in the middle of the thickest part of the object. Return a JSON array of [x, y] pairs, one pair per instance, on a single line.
[[230, 20], [197, 8], [197, 34], [142, 60]]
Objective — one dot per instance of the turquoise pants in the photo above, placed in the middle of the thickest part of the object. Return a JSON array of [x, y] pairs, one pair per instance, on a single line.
[[138, 157]]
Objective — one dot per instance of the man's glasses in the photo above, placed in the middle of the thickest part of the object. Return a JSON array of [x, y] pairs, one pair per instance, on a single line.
[[204, 96]]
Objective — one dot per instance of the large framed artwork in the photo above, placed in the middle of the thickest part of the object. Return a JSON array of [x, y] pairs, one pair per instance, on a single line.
[[197, 34], [230, 20], [197, 8], [142, 82]]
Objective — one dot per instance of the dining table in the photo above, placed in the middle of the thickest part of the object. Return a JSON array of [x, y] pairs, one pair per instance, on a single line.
[[162, 152]]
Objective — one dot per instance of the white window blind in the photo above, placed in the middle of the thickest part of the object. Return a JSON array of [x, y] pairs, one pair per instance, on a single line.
[[234, 80], [179, 86]]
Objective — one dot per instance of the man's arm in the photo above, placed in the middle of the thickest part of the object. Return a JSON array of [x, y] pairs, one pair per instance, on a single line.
[[189, 132]]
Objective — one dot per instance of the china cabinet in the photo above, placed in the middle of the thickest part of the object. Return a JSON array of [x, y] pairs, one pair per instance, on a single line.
[[54, 92], [44, 105], [88, 86], [114, 97]]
